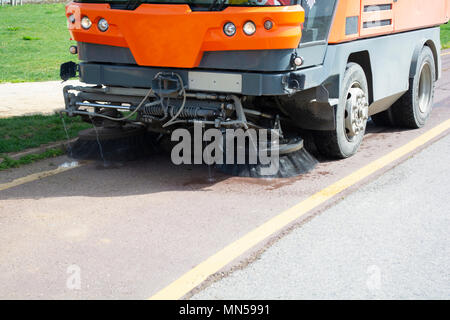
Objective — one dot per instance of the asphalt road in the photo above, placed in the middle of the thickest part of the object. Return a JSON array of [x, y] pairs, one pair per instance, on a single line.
[[130, 231], [388, 240]]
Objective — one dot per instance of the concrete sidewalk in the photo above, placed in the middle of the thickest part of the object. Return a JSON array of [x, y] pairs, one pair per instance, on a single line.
[[18, 99]]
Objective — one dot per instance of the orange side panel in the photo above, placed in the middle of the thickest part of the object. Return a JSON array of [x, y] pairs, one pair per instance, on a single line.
[[345, 8], [174, 36], [402, 15], [413, 14]]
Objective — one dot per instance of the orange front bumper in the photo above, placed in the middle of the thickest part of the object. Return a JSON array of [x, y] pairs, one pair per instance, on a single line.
[[175, 36]]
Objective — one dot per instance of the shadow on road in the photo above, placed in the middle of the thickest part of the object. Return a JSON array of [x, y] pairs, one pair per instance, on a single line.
[[158, 174]]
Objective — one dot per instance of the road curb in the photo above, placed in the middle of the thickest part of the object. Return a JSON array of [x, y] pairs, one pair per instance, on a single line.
[[41, 149]]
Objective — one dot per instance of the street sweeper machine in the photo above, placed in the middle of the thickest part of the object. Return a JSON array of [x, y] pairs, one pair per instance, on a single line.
[[313, 70]]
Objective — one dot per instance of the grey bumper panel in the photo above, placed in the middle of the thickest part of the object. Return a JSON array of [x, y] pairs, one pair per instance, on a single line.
[[277, 60], [253, 84], [100, 53]]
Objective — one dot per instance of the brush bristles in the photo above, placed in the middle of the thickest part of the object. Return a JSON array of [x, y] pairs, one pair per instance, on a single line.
[[290, 165], [122, 149], [142, 145]]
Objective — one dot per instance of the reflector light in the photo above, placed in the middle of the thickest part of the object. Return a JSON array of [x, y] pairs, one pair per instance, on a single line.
[[73, 49], [268, 24]]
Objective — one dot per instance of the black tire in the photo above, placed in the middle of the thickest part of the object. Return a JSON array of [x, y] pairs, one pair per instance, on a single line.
[[336, 144], [410, 111]]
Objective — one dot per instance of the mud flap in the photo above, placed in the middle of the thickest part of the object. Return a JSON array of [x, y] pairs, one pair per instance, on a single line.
[[68, 70]]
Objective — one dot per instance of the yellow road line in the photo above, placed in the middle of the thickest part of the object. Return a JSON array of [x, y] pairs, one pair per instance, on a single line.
[[445, 54], [35, 176], [213, 264]]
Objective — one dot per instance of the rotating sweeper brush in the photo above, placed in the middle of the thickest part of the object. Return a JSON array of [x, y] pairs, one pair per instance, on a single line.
[[290, 160], [109, 140], [125, 143]]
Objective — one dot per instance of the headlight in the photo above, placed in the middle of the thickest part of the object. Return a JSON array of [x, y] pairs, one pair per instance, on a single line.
[[249, 28], [103, 25], [86, 23], [229, 29], [72, 18]]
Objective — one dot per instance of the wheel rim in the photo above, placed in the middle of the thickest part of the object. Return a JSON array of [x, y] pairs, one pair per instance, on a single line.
[[356, 112], [425, 88]]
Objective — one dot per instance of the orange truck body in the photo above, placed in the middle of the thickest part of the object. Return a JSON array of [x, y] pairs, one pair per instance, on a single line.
[[178, 36], [170, 35]]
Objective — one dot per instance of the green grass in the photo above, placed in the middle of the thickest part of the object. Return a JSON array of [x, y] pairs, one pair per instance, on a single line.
[[34, 41], [8, 163], [445, 36], [20, 133]]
